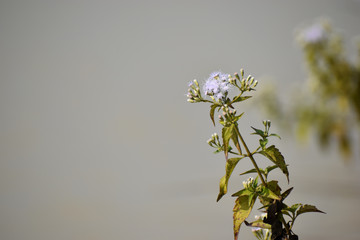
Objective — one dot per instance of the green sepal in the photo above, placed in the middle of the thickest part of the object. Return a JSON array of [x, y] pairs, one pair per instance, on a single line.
[[241, 211], [229, 168], [274, 155]]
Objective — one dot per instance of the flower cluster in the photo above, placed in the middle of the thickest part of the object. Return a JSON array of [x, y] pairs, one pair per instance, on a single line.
[[247, 84], [261, 234], [217, 85], [250, 183], [194, 94], [315, 34]]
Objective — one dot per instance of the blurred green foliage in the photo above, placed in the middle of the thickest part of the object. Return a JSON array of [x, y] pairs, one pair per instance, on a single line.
[[329, 106]]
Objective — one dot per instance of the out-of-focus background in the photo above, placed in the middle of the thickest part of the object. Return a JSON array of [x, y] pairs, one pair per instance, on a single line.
[[97, 140]]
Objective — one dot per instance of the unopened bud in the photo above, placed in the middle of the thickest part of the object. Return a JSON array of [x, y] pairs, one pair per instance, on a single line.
[[255, 83], [248, 78], [237, 76], [196, 82], [251, 80], [242, 72]]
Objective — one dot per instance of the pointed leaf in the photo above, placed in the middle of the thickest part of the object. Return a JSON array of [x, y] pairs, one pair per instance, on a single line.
[[274, 187], [274, 155], [267, 193], [240, 98], [293, 208], [252, 171], [230, 165], [241, 211], [286, 212], [274, 135], [227, 133], [269, 169], [286, 193], [307, 208], [212, 111], [258, 132], [243, 192], [238, 117], [259, 224]]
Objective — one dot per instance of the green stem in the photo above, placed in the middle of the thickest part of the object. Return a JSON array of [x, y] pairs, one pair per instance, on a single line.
[[250, 156], [285, 225]]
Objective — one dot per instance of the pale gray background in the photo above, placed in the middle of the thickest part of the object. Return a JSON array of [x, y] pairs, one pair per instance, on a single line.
[[97, 140]]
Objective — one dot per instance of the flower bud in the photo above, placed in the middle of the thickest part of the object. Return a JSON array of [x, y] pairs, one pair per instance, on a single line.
[[242, 72], [251, 80], [237, 76], [196, 82]]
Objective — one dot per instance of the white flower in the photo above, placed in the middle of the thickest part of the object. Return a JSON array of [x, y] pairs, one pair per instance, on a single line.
[[217, 85]]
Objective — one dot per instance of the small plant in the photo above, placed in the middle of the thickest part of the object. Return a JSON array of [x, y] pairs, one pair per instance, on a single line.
[[278, 219], [328, 106]]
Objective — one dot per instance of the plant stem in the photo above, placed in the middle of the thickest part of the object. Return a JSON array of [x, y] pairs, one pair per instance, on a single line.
[[285, 225], [250, 156]]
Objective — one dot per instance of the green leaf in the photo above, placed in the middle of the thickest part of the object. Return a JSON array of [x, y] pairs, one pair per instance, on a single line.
[[274, 187], [269, 169], [212, 111], [228, 132], [252, 171], [293, 208], [286, 193], [259, 224], [286, 212], [229, 168], [243, 192], [258, 132], [240, 99], [307, 208], [238, 117], [274, 155], [274, 135], [267, 193], [241, 211]]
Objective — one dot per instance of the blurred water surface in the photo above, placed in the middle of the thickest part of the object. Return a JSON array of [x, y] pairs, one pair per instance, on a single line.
[[97, 140]]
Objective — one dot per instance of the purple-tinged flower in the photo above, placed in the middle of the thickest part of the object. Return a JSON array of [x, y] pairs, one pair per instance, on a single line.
[[314, 34], [217, 85]]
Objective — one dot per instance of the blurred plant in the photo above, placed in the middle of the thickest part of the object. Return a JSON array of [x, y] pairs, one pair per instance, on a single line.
[[331, 103], [232, 143]]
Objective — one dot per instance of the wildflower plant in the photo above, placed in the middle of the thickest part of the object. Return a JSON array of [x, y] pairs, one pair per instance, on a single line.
[[329, 104], [278, 219]]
